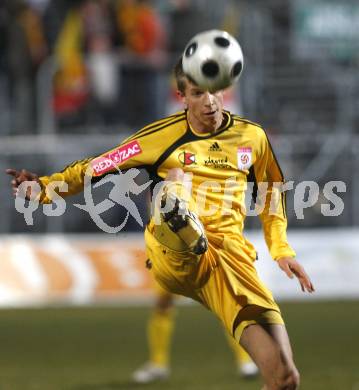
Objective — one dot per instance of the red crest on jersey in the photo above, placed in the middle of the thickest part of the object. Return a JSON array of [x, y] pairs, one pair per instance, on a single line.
[[186, 158], [244, 158]]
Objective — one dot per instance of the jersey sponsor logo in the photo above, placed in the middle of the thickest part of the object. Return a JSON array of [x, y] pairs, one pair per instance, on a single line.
[[116, 157], [186, 158], [244, 158], [215, 147], [217, 162]]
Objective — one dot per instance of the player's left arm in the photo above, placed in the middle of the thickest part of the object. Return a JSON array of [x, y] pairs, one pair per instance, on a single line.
[[273, 215], [292, 268]]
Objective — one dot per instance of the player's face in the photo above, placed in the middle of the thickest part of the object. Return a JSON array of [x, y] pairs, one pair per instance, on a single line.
[[204, 108]]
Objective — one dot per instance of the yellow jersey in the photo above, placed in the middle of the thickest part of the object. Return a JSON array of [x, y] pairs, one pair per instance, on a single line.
[[221, 165]]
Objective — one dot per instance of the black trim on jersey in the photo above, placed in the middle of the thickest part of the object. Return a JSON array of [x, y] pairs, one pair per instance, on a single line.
[[282, 194], [251, 175], [240, 119], [96, 179], [71, 165], [155, 180], [156, 126], [157, 129], [275, 158], [161, 121], [187, 137], [134, 137], [251, 178]]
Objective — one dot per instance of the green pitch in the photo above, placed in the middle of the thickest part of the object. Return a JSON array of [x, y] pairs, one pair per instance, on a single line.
[[98, 348]]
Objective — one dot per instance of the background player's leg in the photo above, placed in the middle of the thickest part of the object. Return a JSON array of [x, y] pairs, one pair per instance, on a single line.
[[270, 348], [159, 336], [160, 329]]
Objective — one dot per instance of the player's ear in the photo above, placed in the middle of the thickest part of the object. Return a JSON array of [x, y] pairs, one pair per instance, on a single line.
[[182, 97], [179, 94]]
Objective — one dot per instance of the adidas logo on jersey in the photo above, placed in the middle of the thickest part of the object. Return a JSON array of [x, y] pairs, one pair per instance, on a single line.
[[215, 148]]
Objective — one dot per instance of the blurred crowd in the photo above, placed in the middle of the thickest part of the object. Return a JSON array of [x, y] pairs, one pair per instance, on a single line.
[[103, 61]]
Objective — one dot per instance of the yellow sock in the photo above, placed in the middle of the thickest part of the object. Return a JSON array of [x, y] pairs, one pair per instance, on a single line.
[[240, 353], [159, 333]]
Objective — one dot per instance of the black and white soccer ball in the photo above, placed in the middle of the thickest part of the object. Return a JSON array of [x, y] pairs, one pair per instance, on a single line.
[[213, 60]]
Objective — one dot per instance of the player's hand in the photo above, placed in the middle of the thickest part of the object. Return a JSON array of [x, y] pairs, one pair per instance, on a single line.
[[18, 178], [292, 268]]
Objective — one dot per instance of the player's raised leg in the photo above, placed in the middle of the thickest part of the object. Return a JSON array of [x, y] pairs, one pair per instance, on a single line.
[[178, 226], [270, 348]]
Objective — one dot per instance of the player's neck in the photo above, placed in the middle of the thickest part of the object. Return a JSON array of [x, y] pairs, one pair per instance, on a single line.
[[201, 127]]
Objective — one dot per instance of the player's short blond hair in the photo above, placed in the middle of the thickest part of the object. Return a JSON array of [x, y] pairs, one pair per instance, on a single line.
[[181, 77]]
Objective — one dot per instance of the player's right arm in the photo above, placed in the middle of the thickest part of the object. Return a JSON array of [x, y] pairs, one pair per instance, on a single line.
[[125, 156], [138, 151], [18, 177]]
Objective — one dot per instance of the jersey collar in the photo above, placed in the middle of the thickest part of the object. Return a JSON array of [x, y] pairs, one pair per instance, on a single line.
[[226, 123]]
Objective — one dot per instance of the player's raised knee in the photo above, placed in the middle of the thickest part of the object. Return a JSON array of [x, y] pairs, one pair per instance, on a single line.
[[175, 174]]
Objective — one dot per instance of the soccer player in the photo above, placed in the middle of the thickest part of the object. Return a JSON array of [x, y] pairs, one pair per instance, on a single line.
[[159, 334], [194, 240]]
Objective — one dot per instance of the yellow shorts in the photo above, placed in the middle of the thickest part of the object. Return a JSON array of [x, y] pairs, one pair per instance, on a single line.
[[253, 314], [224, 279], [159, 291]]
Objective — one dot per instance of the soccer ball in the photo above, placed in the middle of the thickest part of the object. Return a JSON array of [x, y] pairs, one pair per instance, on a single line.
[[213, 60]]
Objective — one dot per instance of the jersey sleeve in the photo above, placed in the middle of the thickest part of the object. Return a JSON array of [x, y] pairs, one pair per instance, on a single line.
[[269, 180], [134, 152]]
